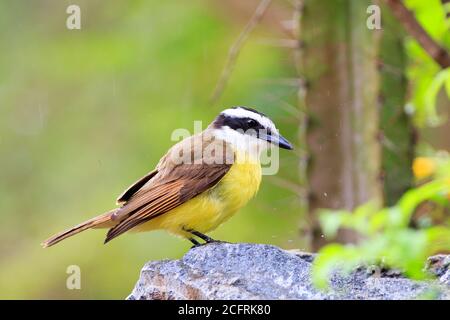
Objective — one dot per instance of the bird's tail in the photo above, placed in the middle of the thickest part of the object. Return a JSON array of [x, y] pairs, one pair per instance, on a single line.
[[101, 221]]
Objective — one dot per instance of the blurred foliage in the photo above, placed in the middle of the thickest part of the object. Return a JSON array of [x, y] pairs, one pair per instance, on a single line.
[[388, 237], [391, 236], [426, 77]]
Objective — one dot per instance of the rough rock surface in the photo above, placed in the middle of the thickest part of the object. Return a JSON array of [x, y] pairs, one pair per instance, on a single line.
[[257, 271]]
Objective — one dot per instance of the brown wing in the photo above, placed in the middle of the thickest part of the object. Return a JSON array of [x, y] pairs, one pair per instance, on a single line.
[[171, 186], [193, 180], [127, 194]]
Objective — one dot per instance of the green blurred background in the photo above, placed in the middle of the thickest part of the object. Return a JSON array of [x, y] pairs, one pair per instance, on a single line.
[[84, 113]]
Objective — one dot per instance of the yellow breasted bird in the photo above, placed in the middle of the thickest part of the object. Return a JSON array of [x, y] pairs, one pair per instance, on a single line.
[[201, 182]]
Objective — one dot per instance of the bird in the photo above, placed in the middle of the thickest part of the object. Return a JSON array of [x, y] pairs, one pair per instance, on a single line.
[[197, 185]]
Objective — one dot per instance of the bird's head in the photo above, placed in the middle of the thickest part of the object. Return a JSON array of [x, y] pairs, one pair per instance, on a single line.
[[248, 130]]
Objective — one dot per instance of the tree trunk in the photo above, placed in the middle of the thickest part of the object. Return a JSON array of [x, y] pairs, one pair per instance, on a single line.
[[339, 60], [397, 132]]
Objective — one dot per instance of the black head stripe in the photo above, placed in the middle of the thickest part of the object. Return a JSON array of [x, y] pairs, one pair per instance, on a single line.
[[234, 123]]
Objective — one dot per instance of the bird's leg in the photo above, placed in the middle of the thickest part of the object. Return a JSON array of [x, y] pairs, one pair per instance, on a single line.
[[202, 236], [195, 242]]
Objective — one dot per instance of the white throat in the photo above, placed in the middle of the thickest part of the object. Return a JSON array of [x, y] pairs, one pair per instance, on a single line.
[[247, 146]]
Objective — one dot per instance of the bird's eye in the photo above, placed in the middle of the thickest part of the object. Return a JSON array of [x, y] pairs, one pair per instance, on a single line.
[[252, 123]]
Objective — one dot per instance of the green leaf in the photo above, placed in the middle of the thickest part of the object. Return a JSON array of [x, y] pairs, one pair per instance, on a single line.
[[442, 78], [331, 221], [388, 239]]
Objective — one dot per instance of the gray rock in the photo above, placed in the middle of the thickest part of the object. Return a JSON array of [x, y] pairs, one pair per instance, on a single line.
[[257, 271], [439, 266]]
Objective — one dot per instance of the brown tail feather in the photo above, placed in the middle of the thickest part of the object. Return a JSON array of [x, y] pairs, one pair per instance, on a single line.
[[103, 220]]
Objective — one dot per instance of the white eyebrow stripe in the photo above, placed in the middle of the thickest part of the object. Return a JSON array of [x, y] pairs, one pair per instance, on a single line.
[[243, 113]]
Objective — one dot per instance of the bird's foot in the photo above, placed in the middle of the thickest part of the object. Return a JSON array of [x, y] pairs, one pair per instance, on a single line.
[[197, 245], [195, 242]]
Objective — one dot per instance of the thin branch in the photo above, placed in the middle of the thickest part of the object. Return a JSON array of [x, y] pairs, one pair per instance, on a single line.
[[288, 82], [289, 27], [389, 68], [236, 48], [286, 105], [412, 26], [283, 43], [286, 184]]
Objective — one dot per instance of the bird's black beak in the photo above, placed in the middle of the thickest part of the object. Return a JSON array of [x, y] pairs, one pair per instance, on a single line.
[[283, 143], [278, 140]]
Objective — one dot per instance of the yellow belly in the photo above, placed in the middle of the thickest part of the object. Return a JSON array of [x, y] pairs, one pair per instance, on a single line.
[[208, 210]]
